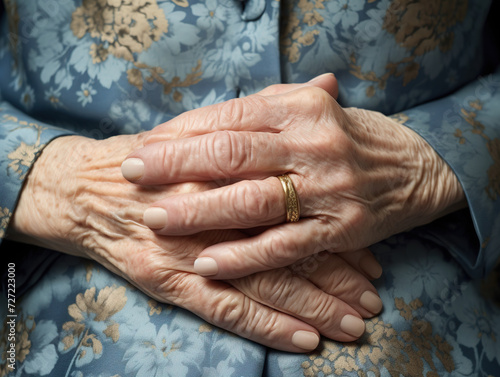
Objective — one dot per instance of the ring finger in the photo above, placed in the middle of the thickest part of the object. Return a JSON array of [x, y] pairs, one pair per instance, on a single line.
[[242, 205]]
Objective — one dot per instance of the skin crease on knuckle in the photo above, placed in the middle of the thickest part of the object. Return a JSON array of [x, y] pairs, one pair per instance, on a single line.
[[278, 253], [225, 153], [257, 320], [325, 313], [249, 202], [189, 217], [314, 100], [227, 311], [279, 289]]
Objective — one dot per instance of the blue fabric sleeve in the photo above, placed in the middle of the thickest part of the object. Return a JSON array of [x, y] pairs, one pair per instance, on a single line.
[[464, 129], [22, 138]]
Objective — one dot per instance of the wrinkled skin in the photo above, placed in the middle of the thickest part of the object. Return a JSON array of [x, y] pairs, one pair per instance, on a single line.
[[76, 201], [360, 176]]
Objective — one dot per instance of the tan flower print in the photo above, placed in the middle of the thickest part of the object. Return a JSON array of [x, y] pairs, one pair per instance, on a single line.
[[423, 25], [5, 216], [89, 309], [24, 155], [293, 37], [384, 348], [124, 27], [24, 326], [420, 26], [493, 145]]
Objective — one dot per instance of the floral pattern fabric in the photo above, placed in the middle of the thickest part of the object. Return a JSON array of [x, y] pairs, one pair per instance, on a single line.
[[100, 68]]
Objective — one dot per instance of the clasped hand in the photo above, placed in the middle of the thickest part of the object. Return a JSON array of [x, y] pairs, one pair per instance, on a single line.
[[360, 177], [76, 201]]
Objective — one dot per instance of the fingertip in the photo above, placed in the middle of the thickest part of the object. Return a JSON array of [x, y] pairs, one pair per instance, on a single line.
[[371, 302], [327, 82], [352, 325], [305, 340], [155, 217], [370, 266], [206, 266], [132, 169]]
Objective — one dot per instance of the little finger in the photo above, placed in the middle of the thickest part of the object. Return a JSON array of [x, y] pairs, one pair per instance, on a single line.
[[230, 309], [283, 290], [363, 261], [333, 275]]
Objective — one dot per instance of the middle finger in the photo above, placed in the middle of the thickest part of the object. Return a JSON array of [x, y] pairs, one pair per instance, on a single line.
[[242, 205]]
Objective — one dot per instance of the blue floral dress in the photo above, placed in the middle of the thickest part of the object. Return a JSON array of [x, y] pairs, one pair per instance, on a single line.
[[99, 68]]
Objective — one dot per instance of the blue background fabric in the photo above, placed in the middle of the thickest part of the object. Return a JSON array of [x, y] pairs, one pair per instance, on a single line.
[[100, 68]]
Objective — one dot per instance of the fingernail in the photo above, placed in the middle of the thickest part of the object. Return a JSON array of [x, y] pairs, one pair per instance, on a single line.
[[205, 266], [155, 217], [133, 169], [352, 325], [320, 77], [370, 266], [305, 339], [371, 302]]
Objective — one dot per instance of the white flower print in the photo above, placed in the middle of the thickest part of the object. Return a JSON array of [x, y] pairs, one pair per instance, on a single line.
[[166, 352], [53, 97], [42, 356], [28, 97], [85, 94], [345, 11], [211, 15]]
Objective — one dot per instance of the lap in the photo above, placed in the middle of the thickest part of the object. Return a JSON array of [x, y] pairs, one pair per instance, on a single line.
[[78, 319]]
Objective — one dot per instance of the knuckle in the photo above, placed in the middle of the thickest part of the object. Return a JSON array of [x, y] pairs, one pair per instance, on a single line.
[[239, 111], [231, 111], [344, 282], [342, 234], [315, 99], [324, 311], [250, 203], [165, 155], [226, 152], [280, 253], [187, 217], [350, 179], [277, 290], [332, 233], [247, 320], [269, 325], [274, 89], [146, 270], [358, 215], [229, 310]]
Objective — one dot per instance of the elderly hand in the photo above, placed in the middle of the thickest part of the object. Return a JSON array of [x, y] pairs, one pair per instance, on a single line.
[[360, 177], [76, 201]]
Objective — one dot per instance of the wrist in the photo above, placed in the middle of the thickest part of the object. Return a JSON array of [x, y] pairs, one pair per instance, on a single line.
[[437, 190], [42, 216]]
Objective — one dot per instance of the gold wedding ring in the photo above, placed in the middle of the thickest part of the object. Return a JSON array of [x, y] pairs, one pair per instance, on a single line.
[[292, 205]]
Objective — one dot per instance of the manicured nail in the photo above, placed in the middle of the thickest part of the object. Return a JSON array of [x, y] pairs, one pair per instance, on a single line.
[[205, 266], [305, 339], [320, 77], [370, 266], [371, 302], [133, 169], [155, 217], [352, 325]]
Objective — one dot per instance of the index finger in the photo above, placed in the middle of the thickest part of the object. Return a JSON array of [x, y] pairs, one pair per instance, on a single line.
[[240, 114]]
